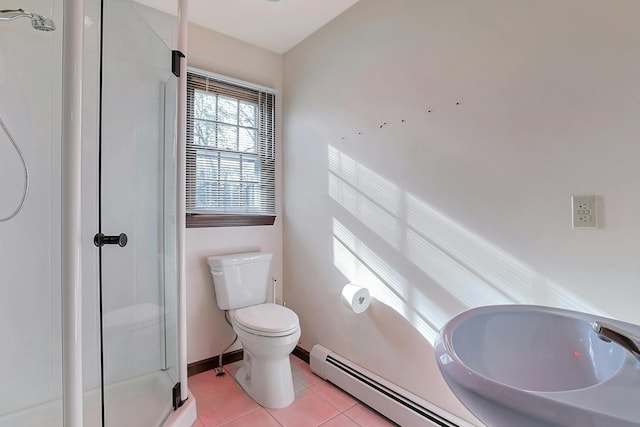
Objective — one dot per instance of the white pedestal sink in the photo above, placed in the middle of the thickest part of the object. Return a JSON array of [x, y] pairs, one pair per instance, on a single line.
[[533, 366]]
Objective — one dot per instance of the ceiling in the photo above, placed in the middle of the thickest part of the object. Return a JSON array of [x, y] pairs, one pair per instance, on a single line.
[[273, 25]]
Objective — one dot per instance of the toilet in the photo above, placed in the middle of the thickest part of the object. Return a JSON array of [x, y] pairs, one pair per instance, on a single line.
[[268, 332]]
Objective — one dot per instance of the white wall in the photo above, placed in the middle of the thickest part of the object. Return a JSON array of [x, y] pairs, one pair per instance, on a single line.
[[207, 332], [469, 204]]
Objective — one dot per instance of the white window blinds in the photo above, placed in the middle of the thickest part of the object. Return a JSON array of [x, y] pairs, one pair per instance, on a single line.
[[230, 147]]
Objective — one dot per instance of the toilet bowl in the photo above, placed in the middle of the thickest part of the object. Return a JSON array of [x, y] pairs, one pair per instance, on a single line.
[[268, 333]]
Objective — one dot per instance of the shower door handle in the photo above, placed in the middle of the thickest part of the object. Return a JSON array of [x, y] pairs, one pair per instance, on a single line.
[[101, 239]]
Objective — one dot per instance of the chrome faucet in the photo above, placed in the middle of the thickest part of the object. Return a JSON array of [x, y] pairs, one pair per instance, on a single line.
[[610, 333]]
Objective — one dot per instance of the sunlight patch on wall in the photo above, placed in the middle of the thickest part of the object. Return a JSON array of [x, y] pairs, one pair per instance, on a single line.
[[515, 281], [375, 201], [463, 284], [492, 264], [361, 265], [380, 205], [554, 294], [366, 210], [369, 184], [466, 266], [357, 272]]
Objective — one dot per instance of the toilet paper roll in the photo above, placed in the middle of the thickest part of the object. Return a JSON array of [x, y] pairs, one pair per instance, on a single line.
[[356, 297]]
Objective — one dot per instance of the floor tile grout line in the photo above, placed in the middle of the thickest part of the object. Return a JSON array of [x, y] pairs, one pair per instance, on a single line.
[[275, 419], [354, 421], [356, 401], [336, 416], [326, 421], [237, 418]]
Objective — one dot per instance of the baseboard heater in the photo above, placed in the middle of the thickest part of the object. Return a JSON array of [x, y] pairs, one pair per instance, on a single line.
[[395, 403]]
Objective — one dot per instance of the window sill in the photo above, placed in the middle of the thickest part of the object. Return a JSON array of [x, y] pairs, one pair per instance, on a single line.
[[226, 220]]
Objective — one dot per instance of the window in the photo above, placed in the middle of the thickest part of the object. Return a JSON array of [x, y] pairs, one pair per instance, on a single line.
[[230, 152]]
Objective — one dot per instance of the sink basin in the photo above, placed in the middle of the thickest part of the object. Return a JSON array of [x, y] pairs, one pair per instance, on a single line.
[[540, 366], [534, 350]]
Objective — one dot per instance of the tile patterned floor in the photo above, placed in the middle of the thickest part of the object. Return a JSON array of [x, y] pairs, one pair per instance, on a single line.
[[221, 402]]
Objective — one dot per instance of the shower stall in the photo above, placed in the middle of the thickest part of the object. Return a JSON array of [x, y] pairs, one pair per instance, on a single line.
[[129, 279]]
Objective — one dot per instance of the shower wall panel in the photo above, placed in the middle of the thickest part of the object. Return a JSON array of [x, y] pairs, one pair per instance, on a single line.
[[30, 362]]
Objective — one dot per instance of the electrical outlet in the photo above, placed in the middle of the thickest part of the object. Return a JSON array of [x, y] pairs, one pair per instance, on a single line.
[[584, 210]]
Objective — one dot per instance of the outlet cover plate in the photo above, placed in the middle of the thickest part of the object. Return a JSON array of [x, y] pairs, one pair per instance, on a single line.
[[584, 212]]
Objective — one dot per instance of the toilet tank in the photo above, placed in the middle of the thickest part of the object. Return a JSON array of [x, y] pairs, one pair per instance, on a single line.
[[240, 280]]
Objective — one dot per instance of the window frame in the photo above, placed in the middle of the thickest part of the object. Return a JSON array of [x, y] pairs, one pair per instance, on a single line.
[[204, 219]]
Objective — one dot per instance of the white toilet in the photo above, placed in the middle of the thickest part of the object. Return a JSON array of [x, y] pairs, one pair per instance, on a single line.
[[268, 332]]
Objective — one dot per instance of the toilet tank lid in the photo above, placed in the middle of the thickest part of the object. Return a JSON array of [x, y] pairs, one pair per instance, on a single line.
[[235, 259]]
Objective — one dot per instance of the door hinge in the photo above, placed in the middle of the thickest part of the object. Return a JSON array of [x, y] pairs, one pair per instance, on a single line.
[[176, 55], [176, 394]]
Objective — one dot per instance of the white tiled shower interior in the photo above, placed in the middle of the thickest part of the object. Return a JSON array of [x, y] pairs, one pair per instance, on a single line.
[[30, 306], [29, 243]]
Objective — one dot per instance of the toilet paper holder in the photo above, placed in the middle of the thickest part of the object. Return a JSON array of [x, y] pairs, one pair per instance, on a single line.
[[356, 298]]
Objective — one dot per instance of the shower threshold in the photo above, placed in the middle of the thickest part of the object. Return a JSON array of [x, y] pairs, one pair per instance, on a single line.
[[140, 401]]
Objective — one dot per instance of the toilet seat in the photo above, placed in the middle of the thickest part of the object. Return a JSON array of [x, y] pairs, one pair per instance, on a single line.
[[269, 320]]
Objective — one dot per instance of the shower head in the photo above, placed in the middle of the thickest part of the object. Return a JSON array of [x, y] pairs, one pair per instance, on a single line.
[[42, 23], [38, 22]]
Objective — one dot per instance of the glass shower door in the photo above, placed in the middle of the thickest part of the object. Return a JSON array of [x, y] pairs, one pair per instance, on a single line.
[[137, 221]]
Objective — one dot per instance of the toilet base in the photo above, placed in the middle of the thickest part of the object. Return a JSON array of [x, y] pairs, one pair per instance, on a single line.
[[269, 381]]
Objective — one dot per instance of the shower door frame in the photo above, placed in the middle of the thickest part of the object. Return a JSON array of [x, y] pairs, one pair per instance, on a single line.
[[169, 362], [72, 245]]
